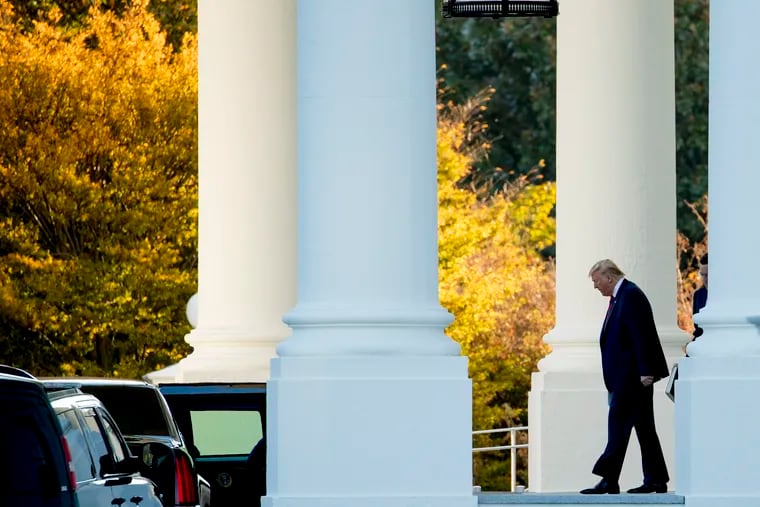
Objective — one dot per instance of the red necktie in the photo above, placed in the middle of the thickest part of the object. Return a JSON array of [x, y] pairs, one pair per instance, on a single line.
[[609, 311]]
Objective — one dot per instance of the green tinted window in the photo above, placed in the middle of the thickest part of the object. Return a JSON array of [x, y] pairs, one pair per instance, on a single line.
[[224, 432]]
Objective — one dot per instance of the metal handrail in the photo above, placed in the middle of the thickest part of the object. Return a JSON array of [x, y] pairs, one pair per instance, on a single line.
[[512, 449]]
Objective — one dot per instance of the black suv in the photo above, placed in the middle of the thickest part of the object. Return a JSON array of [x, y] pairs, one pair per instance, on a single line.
[[146, 422], [225, 425], [35, 464], [105, 470]]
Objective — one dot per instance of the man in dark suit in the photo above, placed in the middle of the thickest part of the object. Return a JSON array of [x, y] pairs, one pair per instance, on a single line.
[[632, 361]]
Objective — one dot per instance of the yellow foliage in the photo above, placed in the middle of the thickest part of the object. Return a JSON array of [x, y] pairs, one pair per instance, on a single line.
[[98, 191], [689, 254], [492, 278]]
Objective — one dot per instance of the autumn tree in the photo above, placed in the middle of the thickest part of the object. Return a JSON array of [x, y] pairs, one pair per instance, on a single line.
[[98, 190], [494, 280], [516, 58], [177, 17], [689, 254], [692, 18]]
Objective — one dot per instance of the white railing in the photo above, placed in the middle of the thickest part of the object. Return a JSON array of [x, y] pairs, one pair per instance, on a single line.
[[512, 447]]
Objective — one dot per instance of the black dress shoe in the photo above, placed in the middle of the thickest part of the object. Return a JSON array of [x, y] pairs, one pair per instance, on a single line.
[[655, 487], [601, 488]]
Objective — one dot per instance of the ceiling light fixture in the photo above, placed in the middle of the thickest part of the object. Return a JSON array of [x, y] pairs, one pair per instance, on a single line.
[[499, 8]]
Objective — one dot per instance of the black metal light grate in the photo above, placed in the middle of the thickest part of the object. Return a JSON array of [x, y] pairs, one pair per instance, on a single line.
[[499, 8]]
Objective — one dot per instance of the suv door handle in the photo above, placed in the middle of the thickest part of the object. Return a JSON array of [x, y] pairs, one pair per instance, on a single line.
[[136, 500], [119, 481], [118, 501]]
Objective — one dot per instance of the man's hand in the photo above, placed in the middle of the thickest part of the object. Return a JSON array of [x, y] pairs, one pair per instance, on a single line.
[[647, 381]]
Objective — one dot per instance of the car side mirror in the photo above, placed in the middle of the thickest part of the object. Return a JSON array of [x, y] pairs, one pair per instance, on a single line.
[[129, 465], [107, 465]]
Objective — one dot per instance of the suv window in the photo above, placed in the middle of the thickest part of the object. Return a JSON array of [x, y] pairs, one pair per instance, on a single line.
[[80, 453], [138, 409], [103, 439], [120, 453], [92, 429]]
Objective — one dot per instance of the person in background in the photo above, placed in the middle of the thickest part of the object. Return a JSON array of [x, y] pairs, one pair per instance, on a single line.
[[632, 361], [700, 295]]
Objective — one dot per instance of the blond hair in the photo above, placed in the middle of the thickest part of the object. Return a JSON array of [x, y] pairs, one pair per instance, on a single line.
[[607, 267]]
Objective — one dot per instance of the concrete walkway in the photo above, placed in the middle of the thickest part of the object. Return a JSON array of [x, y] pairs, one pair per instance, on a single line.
[[576, 499]]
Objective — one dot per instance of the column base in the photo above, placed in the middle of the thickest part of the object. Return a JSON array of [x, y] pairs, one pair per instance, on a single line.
[[221, 356], [718, 437], [369, 431], [358, 331], [567, 413], [570, 357]]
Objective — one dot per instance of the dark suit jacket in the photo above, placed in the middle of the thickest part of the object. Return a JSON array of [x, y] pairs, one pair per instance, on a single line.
[[698, 302], [700, 299], [629, 341]]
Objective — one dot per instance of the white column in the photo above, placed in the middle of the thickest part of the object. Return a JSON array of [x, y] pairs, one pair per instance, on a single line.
[[615, 199], [369, 403], [716, 413], [247, 189]]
